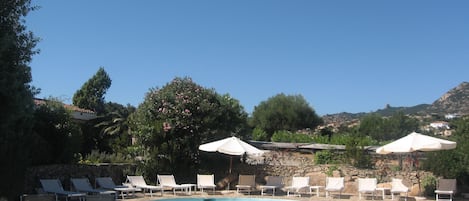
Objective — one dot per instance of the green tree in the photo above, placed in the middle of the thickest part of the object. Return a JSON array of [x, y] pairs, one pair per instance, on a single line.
[[174, 120], [387, 128], [114, 125], [283, 112], [16, 95], [58, 138], [399, 125], [452, 163], [91, 97], [259, 134], [355, 151], [91, 94], [372, 125]]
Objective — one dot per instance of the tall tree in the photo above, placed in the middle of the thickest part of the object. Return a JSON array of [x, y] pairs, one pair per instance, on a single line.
[[283, 112], [174, 120], [91, 94], [16, 95]]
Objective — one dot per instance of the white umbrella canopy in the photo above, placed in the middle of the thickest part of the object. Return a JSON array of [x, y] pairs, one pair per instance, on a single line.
[[416, 142], [231, 146]]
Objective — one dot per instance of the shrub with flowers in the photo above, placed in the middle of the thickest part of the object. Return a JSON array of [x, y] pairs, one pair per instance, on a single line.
[[174, 120]]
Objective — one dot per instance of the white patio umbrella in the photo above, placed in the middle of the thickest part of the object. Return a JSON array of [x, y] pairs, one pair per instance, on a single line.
[[416, 142], [231, 146]]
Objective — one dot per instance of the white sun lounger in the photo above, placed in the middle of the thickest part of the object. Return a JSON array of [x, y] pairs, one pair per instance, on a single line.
[[398, 187], [168, 181], [139, 182], [272, 183], [334, 184], [84, 185], [246, 183], [367, 185], [445, 189], [297, 185], [108, 183], [206, 182]]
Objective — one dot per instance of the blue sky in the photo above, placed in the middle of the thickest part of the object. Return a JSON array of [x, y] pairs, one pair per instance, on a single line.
[[341, 56]]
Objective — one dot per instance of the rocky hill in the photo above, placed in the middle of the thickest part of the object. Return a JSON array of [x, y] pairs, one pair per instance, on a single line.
[[455, 101]]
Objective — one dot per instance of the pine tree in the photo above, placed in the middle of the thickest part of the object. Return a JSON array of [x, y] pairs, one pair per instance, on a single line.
[[91, 94], [16, 94]]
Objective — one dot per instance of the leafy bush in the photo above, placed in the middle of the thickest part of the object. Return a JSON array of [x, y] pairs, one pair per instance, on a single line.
[[259, 134], [287, 136], [96, 157], [429, 185], [331, 169], [326, 157], [343, 138], [395, 168]]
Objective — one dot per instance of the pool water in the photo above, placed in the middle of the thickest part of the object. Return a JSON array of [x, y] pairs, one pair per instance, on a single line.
[[221, 199]]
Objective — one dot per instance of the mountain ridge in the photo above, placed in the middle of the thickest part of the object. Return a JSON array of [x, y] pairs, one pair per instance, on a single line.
[[455, 101]]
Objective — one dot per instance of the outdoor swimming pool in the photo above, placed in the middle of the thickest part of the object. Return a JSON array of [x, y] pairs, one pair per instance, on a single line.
[[222, 199]]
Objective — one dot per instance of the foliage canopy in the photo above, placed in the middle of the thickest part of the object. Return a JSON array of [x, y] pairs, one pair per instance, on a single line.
[[91, 94], [284, 112], [114, 128], [391, 128], [174, 120]]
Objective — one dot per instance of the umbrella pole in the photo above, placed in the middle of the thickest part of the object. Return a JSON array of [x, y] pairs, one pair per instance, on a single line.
[[231, 163], [229, 173]]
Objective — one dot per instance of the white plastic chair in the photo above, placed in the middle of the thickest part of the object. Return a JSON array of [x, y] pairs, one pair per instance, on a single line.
[[367, 185]]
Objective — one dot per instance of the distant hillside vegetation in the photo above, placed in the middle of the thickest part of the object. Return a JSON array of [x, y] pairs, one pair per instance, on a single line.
[[455, 101], [418, 109]]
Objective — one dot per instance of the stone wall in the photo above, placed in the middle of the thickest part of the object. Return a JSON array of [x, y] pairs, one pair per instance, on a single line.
[[298, 164], [318, 174]]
